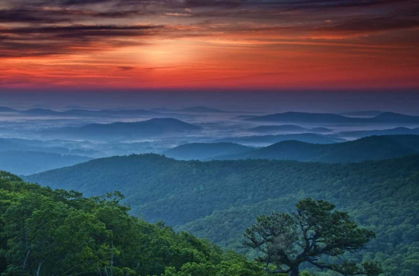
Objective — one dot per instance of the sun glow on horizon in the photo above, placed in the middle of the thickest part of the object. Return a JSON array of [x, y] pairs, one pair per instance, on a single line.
[[207, 46]]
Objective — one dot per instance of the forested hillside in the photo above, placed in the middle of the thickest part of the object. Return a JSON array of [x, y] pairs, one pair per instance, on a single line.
[[45, 232], [369, 148], [219, 199], [205, 151], [30, 162]]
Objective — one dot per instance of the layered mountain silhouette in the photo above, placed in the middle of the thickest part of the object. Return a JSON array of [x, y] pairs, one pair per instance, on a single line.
[[143, 129], [202, 109], [328, 118], [366, 113], [7, 110], [205, 151], [289, 129], [392, 131], [13, 144], [370, 148], [88, 113], [271, 139], [30, 162]]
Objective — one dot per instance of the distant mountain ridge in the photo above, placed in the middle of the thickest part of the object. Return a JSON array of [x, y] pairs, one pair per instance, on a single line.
[[7, 109], [311, 118], [205, 151], [392, 131], [142, 129], [9, 144], [272, 139], [370, 148], [366, 113], [109, 112], [202, 109], [30, 162], [289, 129], [88, 113]]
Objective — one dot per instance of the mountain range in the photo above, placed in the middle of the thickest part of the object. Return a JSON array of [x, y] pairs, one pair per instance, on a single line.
[[30, 162], [202, 109], [289, 129], [121, 130], [205, 151], [79, 112], [328, 118], [7, 109], [271, 139], [392, 131], [369, 148], [88, 113], [366, 113]]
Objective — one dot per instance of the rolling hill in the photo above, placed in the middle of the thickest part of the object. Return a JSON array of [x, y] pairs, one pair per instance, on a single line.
[[301, 117], [370, 148], [390, 117], [120, 130], [392, 131], [40, 112], [202, 109], [328, 118], [108, 113], [272, 139], [8, 144], [289, 129], [365, 114], [30, 162], [219, 199], [87, 113], [4, 109], [205, 151]]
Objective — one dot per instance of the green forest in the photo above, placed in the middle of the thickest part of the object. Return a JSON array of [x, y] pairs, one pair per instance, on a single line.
[[218, 200], [47, 232], [58, 232]]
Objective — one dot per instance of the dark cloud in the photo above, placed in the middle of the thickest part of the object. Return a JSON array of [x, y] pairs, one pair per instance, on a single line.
[[368, 24], [59, 26], [54, 40], [28, 16]]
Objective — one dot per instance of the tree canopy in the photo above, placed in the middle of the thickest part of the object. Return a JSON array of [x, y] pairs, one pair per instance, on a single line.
[[47, 232], [287, 241], [218, 200]]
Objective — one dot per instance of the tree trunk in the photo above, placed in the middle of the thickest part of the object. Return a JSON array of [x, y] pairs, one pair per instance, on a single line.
[[294, 271]]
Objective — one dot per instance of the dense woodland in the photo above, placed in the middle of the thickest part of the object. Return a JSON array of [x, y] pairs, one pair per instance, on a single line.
[[45, 232], [218, 200]]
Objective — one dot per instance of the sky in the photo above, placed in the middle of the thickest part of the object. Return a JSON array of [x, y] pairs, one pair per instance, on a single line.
[[209, 44]]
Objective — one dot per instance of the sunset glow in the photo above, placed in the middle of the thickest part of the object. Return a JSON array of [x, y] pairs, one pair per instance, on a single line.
[[209, 44]]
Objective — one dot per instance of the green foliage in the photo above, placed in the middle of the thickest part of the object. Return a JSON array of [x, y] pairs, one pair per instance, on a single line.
[[233, 265], [218, 200], [287, 241], [45, 233]]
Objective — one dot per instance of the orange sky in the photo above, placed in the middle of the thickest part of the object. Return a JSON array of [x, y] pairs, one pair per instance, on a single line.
[[197, 44]]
